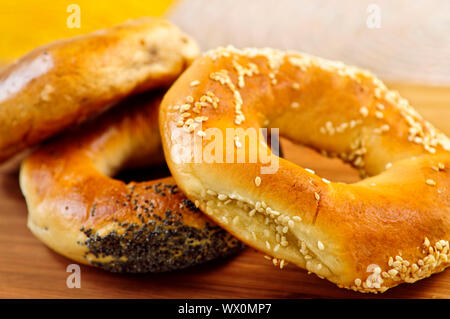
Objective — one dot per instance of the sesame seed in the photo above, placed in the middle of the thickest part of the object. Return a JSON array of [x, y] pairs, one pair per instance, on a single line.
[[195, 83], [295, 86], [282, 264], [388, 165], [200, 119], [275, 213], [380, 106], [431, 182], [257, 180], [379, 115], [297, 218], [441, 166], [320, 245], [222, 197], [268, 257], [267, 244], [211, 192], [392, 272], [326, 180], [310, 170], [357, 282], [377, 92], [295, 105], [353, 123], [364, 111], [317, 196], [275, 249]]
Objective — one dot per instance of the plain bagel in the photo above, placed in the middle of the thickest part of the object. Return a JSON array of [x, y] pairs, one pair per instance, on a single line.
[[389, 228], [64, 82]]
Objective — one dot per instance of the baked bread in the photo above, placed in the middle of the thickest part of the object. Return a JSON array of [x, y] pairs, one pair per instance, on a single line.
[[62, 83], [79, 211], [389, 228]]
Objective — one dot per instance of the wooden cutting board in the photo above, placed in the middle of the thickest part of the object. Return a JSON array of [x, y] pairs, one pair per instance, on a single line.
[[28, 269]]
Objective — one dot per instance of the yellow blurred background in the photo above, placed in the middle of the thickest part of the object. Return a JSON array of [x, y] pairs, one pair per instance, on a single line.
[[26, 24]]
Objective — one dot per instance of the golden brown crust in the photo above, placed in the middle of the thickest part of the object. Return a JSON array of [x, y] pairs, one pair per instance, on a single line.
[[79, 211], [390, 228], [64, 82]]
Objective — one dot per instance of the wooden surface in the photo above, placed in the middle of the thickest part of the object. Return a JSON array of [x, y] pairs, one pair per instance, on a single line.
[[29, 270]]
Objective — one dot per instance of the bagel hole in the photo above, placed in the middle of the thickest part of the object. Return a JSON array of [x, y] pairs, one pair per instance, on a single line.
[[143, 174], [333, 169]]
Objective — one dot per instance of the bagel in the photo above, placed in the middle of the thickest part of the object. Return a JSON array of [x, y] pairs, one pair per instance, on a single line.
[[64, 82], [79, 211], [391, 227]]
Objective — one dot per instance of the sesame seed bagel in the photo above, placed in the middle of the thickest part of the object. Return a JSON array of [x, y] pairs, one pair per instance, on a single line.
[[64, 82], [79, 211], [389, 228]]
